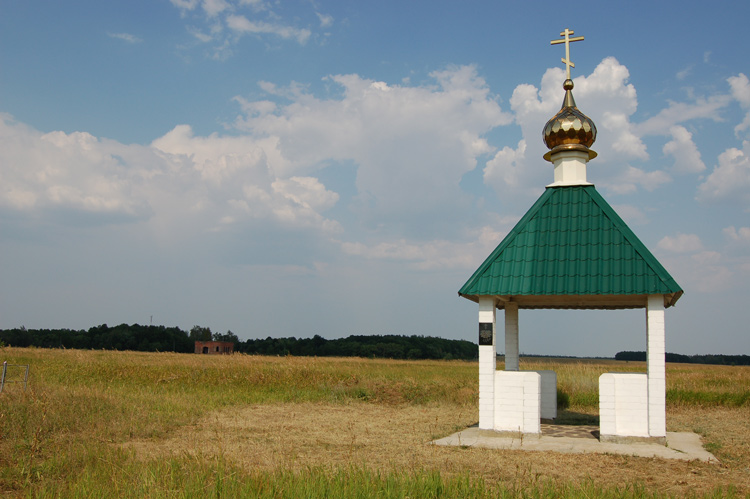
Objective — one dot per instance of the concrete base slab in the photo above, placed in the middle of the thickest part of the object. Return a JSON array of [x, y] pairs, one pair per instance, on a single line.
[[683, 445]]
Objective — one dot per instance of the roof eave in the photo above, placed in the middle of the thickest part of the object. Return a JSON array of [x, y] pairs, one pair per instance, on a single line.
[[577, 302]]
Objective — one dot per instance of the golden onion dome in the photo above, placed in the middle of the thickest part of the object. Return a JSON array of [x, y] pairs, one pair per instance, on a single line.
[[569, 129]]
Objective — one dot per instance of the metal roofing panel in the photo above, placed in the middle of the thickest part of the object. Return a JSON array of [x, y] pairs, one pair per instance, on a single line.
[[571, 242]]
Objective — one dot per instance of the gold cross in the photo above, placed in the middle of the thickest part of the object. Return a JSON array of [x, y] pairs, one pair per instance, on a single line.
[[566, 60]]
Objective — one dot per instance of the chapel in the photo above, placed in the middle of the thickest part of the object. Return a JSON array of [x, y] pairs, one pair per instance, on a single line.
[[570, 251]]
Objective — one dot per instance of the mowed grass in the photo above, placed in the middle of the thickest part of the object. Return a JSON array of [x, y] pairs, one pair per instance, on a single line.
[[129, 424]]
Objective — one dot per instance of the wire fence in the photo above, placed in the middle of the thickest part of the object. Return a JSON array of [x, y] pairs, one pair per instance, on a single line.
[[5, 379]]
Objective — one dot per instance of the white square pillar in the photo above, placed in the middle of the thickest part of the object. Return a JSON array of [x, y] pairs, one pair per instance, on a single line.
[[655, 359], [549, 394], [623, 406], [511, 336], [518, 401], [487, 363]]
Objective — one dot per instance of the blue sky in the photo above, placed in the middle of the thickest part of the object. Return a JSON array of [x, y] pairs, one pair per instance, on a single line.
[[293, 168]]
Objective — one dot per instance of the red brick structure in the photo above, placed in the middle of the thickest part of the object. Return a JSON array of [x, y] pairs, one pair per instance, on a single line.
[[214, 347]]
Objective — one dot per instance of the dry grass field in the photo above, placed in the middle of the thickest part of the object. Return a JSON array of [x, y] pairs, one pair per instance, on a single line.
[[127, 424]]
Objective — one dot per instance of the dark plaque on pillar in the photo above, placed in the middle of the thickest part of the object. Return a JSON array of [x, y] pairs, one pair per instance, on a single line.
[[485, 333]]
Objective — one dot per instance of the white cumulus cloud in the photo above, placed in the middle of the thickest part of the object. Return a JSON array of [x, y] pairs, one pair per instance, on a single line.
[[411, 144], [74, 174], [185, 4], [127, 37], [212, 8], [629, 178], [326, 20], [741, 235], [242, 25], [223, 23], [239, 180], [408, 148], [685, 152], [740, 87], [434, 254], [504, 168], [680, 112], [730, 178], [681, 243]]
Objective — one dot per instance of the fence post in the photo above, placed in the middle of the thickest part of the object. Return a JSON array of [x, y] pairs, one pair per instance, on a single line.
[[4, 375]]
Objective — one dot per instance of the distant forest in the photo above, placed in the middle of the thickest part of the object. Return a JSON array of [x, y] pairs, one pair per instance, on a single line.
[[724, 360], [389, 346], [173, 339]]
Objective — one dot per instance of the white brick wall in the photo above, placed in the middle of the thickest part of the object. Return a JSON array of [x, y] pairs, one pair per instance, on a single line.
[[511, 337], [517, 401], [607, 412], [487, 366], [657, 381], [623, 405]]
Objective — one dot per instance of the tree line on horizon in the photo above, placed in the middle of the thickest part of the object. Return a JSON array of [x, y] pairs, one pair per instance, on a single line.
[[173, 339], [379, 346], [123, 337], [136, 337], [714, 359]]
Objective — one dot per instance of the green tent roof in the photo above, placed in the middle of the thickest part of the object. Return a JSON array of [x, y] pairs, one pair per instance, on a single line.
[[571, 250]]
